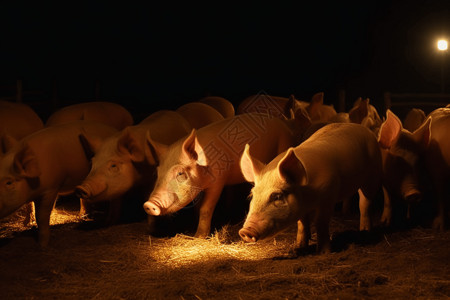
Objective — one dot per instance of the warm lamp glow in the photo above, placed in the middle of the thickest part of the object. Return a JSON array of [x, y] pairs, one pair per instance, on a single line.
[[442, 45]]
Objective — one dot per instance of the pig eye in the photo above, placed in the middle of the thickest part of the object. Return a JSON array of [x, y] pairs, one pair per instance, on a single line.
[[277, 199], [114, 167], [181, 176], [9, 183]]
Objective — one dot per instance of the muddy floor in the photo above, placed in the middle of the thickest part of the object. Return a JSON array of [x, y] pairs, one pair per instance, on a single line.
[[124, 261]]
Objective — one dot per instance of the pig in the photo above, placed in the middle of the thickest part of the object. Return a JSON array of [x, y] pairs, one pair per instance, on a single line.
[[336, 162], [199, 114], [437, 162], [273, 106], [208, 159], [221, 104], [108, 113], [44, 165], [413, 119], [402, 153], [120, 163], [365, 114], [18, 120]]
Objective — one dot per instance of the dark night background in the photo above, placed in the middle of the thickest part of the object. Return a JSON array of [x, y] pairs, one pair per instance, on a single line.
[[151, 57]]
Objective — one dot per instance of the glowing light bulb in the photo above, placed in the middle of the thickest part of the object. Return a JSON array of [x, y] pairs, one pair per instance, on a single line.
[[442, 45]]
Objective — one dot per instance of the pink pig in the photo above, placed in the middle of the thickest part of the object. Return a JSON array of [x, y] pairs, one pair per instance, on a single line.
[[43, 165], [109, 113], [402, 153], [199, 114], [337, 161], [437, 159], [221, 104], [208, 159], [18, 120], [121, 162]]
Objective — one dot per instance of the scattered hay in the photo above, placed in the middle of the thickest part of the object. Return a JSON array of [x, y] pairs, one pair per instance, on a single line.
[[222, 245]]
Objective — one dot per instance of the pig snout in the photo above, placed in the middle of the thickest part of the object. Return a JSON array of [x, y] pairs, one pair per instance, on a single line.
[[152, 208], [82, 192], [88, 191], [248, 234]]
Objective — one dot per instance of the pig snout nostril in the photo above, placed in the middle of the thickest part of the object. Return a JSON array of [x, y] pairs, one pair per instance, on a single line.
[[81, 192], [247, 235], [152, 209]]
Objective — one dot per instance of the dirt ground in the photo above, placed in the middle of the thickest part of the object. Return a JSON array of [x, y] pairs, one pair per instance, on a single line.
[[87, 261]]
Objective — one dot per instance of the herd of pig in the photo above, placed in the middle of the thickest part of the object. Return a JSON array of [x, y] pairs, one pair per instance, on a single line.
[[302, 157]]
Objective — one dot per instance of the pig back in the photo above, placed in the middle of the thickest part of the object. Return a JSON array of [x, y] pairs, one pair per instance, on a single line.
[[344, 152], [166, 126], [109, 113], [60, 155], [199, 114], [221, 104], [18, 120], [224, 142]]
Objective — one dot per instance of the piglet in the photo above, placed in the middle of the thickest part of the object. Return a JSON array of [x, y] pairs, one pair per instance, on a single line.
[[208, 159], [337, 161], [43, 165]]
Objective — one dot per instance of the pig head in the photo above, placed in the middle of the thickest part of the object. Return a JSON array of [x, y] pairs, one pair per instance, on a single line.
[[117, 165], [402, 153]]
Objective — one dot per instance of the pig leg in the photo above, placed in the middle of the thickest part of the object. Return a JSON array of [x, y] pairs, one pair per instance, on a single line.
[[365, 222], [206, 210], [441, 193], [303, 233], [386, 217], [323, 217], [44, 208]]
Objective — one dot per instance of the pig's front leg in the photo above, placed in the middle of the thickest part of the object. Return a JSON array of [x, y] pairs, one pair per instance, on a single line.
[[386, 217], [303, 233], [44, 208], [439, 220], [323, 218], [365, 222], [206, 209]]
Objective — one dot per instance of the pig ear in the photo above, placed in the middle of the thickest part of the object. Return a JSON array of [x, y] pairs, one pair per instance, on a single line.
[[291, 169], [6, 143], [389, 130], [25, 163], [360, 111], [128, 144], [250, 167], [154, 150], [90, 144], [357, 102], [192, 150], [422, 134], [315, 104]]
